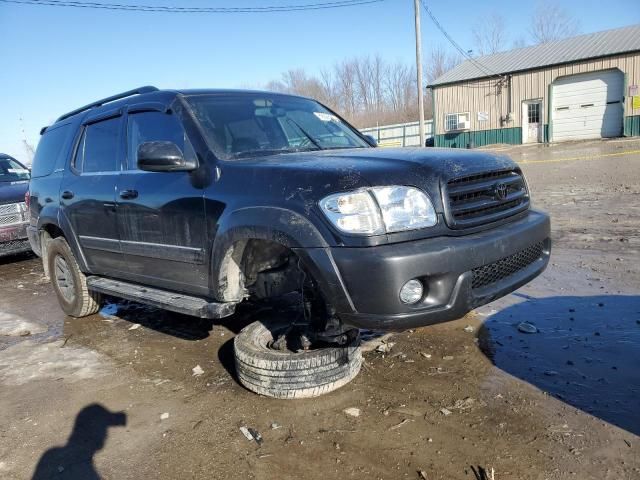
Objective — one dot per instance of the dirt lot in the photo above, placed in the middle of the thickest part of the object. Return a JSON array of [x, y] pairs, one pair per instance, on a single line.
[[446, 401]]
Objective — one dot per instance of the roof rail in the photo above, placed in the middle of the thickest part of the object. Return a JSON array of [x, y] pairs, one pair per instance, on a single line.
[[128, 93]]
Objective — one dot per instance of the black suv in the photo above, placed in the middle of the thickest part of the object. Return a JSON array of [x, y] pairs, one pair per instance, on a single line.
[[197, 200], [14, 183]]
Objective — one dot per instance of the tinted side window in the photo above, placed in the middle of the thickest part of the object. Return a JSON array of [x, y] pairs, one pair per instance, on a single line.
[[51, 146], [98, 149], [155, 126]]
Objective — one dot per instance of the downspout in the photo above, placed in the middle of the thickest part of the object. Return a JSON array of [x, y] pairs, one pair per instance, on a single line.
[[509, 109]]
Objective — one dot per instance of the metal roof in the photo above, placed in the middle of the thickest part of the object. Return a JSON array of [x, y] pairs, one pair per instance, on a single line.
[[582, 47]]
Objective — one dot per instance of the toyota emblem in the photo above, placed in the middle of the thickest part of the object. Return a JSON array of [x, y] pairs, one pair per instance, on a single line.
[[500, 191]]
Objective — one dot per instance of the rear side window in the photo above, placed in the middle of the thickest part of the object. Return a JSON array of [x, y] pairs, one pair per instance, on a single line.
[[98, 148], [155, 126], [51, 147]]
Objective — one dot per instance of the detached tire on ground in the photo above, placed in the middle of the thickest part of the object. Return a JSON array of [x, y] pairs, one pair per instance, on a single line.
[[289, 375], [69, 283]]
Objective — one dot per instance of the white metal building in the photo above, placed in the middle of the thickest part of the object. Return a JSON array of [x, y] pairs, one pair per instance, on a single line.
[[578, 88]]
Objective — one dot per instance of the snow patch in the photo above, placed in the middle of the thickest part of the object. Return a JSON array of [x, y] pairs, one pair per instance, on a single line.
[[29, 361]]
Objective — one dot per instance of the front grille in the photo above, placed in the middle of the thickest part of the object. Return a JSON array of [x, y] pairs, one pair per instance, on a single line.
[[505, 267], [486, 197], [14, 246], [12, 214]]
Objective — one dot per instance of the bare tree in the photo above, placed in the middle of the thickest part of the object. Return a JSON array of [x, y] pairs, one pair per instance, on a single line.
[[551, 22], [519, 42], [366, 90], [489, 34], [440, 61]]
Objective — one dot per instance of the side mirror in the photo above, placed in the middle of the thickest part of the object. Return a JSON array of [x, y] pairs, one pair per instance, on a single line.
[[163, 157], [372, 141]]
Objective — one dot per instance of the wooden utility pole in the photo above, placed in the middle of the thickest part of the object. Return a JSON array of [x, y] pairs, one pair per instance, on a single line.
[[416, 5]]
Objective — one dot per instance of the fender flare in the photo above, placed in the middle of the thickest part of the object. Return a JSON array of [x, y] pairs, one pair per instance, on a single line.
[[275, 224], [56, 217]]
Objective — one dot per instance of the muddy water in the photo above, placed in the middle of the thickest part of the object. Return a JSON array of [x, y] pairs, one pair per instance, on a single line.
[[585, 353]]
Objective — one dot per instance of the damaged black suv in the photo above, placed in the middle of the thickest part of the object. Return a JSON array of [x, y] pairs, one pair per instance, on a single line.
[[194, 201]]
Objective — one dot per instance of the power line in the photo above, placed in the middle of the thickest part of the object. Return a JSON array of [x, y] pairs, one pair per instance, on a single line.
[[174, 9], [475, 62]]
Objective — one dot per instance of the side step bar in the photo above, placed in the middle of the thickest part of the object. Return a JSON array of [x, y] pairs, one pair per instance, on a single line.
[[175, 302]]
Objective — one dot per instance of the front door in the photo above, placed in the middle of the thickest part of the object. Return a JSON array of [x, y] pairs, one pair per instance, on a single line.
[[87, 194], [161, 216], [532, 121]]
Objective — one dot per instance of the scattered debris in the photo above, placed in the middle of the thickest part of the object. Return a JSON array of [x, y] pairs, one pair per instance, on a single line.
[[352, 411], [445, 411], [275, 426], [401, 424], [164, 416], [627, 442], [135, 326], [550, 373], [385, 347], [448, 357], [527, 327], [463, 404], [422, 474], [426, 355], [469, 329], [247, 434], [256, 435], [197, 371]]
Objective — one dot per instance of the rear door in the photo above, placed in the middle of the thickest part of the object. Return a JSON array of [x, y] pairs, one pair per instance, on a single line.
[[87, 193], [161, 216]]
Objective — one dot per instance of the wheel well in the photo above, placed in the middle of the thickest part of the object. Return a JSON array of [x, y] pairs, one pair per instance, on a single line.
[[258, 268], [48, 233]]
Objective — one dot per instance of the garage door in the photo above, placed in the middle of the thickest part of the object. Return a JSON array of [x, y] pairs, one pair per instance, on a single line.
[[587, 106]]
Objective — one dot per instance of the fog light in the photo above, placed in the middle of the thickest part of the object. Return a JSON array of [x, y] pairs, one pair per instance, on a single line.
[[411, 291]]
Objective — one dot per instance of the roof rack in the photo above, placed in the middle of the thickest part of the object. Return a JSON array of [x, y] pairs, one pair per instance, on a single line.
[[128, 93]]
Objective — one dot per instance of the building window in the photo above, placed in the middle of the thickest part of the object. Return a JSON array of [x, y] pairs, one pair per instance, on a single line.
[[533, 112], [456, 121]]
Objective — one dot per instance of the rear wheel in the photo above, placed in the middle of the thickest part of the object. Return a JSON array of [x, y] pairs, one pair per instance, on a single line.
[[264, 367], [69, 283]]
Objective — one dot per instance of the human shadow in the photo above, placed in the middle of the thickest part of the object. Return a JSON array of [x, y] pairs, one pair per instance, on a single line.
[[74, 461], [585, 351]]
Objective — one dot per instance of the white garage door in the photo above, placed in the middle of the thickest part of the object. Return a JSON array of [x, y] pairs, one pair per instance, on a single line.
[[587, 106]]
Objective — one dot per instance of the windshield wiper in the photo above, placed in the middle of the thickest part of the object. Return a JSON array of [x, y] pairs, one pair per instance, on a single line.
[[270, 151], [304, 132]]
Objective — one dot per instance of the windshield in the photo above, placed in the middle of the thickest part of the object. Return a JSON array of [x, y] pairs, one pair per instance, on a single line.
[[12, 171], [247, 125]]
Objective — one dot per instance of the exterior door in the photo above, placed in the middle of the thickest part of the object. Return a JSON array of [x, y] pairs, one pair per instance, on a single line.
[[161, 215], [87, 194], [532, 121], [588, 105]]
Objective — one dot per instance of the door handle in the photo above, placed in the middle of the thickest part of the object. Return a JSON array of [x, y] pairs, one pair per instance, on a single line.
[[129, 194], [67, 195]]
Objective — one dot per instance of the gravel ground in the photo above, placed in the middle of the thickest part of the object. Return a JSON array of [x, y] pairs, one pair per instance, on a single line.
[[114, 394]]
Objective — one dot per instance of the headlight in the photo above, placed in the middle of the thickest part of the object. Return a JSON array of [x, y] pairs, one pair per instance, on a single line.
[[380, 210]]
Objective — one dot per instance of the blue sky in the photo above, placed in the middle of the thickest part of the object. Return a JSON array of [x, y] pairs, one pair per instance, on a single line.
[[56, 59]]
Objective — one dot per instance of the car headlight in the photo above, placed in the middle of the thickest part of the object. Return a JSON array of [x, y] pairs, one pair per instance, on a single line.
[[379, 210]]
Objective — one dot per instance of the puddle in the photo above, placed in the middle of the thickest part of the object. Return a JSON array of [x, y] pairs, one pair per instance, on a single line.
[[585, 353]]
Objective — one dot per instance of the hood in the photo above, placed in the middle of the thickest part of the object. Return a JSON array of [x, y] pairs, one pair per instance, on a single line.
[[13, 192], [333, 171]]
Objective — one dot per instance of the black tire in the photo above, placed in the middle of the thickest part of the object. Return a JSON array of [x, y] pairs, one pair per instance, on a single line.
[[69, 283], [290, 375]]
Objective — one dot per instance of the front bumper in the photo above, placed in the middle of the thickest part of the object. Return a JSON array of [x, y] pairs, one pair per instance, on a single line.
[[13, 239], [372, 277]]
